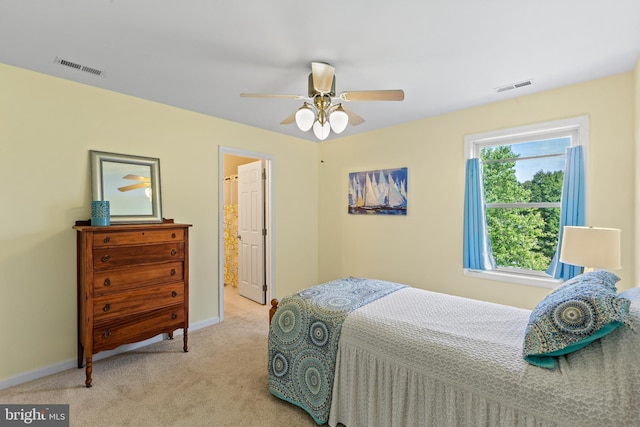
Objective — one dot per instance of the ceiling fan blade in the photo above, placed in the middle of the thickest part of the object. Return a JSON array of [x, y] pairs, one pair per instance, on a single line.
[[137, 177], [266, 95], [289, 120], [354, 119], [373, 95], [322, 76], [133, 186]]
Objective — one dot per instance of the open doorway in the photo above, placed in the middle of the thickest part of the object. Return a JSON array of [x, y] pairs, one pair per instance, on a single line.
[[240, 282]]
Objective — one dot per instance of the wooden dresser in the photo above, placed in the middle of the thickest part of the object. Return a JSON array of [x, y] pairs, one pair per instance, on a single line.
[[133, 284]]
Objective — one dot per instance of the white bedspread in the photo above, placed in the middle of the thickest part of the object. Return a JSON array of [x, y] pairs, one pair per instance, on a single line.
[[419, 358]]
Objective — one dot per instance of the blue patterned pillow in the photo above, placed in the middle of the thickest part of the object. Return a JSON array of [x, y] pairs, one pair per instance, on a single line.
[[596, 277], [577, 313], [631, 294]]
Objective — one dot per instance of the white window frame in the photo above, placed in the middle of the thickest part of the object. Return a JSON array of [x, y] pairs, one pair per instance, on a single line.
[[473, 143]]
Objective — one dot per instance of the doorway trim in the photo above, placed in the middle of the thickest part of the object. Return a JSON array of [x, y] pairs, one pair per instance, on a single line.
[[268, 219]]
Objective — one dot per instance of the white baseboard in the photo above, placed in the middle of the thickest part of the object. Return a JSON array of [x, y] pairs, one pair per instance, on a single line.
[[203, 324], [69, 364]]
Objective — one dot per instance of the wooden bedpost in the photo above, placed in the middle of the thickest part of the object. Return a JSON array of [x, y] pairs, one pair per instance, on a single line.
[[272, 310]]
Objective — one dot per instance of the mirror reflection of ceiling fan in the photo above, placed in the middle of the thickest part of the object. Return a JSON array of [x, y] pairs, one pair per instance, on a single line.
[[145, 182], [323, 110]]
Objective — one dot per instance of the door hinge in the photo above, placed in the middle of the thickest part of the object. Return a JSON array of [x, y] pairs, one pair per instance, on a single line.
[[264, 174], [264, 231], [264, 288]]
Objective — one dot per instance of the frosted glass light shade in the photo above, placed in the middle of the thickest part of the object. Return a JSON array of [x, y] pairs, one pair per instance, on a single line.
[[591, 247], [305, 117], [321, 131], [339, 120]]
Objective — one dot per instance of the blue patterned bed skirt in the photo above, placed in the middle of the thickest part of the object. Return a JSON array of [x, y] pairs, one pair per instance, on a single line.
[[303, 340]]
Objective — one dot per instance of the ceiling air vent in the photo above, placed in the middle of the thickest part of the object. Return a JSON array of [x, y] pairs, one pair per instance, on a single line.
[[79, 67], [514, 86]]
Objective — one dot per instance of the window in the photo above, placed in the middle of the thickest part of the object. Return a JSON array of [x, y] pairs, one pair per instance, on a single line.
[[522, 179]]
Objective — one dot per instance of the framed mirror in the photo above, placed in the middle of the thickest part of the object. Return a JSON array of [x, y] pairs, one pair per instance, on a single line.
[[131, 184]]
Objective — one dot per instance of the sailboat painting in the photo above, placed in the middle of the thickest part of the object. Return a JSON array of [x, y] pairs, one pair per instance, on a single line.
[[379, 192]]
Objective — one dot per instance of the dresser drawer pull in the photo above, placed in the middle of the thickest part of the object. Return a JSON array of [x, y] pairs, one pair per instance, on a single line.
[[107, 282], [174, 315], [107, 333], [173, 272], [107, 239], [173, 235], [106, 258], [173, 252], [174, 294], [106, 307]]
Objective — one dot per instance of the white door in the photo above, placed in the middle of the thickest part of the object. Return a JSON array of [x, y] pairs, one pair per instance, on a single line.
[[251, 232]]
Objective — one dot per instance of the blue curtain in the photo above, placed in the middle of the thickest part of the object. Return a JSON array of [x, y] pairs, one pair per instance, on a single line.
[[477, 252], [572, 209]]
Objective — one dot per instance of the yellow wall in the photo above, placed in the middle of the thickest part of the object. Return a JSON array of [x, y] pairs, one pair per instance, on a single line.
[[424, 249], [232, 162], [47, 127]]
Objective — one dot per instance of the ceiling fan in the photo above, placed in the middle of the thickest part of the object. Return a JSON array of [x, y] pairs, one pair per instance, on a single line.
[[323, 110], [145, 182]]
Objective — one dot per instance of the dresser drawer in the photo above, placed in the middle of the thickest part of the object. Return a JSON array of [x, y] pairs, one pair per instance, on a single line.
[[111, 334], [137, 301], [122, 279], [137, 237], [112, 257]]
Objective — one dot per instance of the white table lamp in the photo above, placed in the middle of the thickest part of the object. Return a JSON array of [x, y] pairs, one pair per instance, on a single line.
[[591, 247]]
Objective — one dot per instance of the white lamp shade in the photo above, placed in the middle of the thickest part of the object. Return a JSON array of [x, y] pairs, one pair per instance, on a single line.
[[339, 120], [321, 131], [591, 247], [305, 117]]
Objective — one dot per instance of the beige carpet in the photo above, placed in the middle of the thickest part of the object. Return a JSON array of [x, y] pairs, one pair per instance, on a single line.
[[221, 381]]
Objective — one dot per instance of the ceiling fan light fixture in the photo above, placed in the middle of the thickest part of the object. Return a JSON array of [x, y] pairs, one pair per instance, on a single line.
[[339, 119], [322, 117], [320, 113], [321, 131], [305, 117]]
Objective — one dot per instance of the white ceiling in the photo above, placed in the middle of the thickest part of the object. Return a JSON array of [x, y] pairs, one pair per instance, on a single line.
[[201, 54]]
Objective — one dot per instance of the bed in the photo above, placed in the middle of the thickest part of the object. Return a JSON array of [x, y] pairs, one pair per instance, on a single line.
[[362, 352]]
